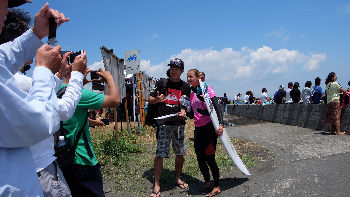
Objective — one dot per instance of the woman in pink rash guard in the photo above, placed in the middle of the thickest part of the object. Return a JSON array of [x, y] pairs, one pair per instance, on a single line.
[[205, 135]]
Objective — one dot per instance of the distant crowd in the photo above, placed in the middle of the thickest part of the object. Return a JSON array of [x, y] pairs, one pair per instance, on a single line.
[[310, 94], [334, 96]]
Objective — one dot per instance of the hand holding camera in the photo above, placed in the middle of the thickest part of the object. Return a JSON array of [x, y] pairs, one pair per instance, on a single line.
[[85, 79], [41, 20], [80, 63], [105, 75], [49, 57], [72, 62], [100, 76], [65, 67]]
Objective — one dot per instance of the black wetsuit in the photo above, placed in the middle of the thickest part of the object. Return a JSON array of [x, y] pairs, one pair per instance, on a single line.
[[205, 140]]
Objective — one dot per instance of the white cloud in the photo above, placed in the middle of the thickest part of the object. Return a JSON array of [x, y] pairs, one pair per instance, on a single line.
[[229, 64], [153, 71], [153, 37], [96, 65], [281, 34], [314, 61]]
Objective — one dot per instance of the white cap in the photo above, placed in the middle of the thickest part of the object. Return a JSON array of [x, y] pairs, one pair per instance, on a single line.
[[61, 138]]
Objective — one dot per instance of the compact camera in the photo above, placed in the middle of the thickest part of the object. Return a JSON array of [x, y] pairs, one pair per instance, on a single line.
[[96, 84], [72, 56], [105, 121]]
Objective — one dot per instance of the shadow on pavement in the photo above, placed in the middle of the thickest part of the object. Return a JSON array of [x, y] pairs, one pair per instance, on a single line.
[[225, 184], [322, 133], [167, 179]]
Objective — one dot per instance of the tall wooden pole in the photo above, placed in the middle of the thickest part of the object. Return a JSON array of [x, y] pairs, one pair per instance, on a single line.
[[141, 100], [116, 125], [115, 110], [127, 114]]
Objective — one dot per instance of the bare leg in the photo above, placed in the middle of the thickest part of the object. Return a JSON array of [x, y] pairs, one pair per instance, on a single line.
[[207, 184], [179, 161], [338, 132], [158, 166], [330, 128]]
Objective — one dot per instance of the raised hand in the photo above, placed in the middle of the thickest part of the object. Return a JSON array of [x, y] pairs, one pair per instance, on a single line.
[[105, 75], [49, 57], [160, 98], [80, 63], [65, 66], [85, 79], [41, 20]]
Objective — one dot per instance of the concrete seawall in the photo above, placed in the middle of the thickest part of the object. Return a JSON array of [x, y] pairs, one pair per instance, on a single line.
[[307, 116]]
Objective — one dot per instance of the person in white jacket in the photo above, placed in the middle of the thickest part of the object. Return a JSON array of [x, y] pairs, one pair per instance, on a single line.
[[26, 118]]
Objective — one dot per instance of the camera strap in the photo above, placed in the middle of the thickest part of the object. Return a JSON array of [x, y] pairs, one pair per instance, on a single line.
[[81, 131], [86, 142]]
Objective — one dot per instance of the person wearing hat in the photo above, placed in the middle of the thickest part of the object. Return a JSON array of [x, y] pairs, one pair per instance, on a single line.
[[295, 93], [167, 97], [32, 117]]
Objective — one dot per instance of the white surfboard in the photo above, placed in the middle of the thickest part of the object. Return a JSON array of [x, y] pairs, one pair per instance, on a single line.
[[225, 139]]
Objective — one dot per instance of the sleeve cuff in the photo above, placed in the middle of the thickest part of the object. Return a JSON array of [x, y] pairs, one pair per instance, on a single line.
[[76, 75]]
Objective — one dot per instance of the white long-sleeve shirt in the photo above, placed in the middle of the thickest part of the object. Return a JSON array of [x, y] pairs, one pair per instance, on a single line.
[[43, 152], [26, 119]]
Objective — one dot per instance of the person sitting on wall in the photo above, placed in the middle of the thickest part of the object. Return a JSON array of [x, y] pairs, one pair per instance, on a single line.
[[295, 93], [317, 91], [279, 95]]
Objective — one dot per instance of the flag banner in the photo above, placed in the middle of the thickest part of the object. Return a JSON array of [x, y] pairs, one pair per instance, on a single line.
[[132, 61]]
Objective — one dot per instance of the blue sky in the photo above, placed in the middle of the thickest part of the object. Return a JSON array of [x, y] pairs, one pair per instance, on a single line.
[[240, 45]]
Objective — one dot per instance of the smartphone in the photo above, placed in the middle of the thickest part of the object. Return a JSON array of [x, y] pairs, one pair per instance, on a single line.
[[94, 75], [72, 56], [105, 121]]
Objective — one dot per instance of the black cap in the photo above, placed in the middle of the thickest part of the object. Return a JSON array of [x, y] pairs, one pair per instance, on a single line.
[[16, 3], [177, 62]]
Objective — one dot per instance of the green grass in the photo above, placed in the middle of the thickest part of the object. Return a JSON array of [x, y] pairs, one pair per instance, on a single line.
[[129, 166]]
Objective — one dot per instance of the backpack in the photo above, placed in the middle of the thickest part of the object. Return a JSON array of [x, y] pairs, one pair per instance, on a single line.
[[152, 109], [64, 152]]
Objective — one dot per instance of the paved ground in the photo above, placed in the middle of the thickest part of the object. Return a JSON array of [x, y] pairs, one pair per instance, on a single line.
[[303, 162], [296, 162]]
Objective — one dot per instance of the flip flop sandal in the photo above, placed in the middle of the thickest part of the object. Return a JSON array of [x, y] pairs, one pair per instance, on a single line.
[[213, 193], [156, 194], [183, 187]]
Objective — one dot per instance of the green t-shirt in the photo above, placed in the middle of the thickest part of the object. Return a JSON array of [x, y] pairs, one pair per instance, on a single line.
[[332, 90], [89, 100]]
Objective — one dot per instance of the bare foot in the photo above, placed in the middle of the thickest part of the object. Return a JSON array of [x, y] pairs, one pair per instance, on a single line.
[[215, 192], [340, 133], [183, 186], [155, 192]]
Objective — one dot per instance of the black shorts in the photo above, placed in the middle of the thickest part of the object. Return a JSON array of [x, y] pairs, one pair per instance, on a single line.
[[84, 180]]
